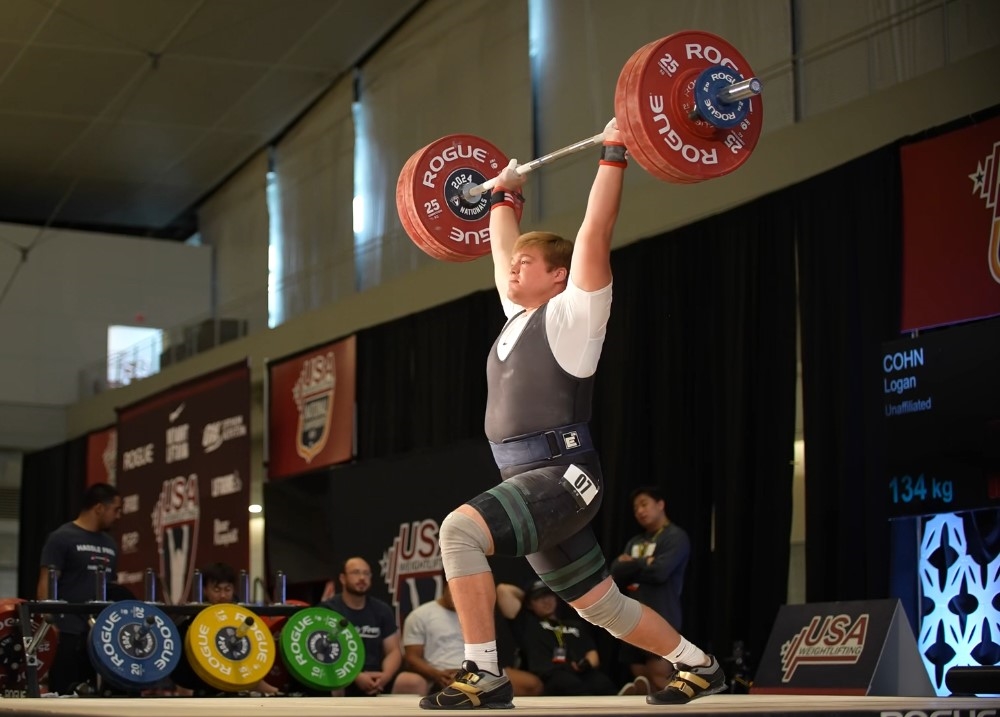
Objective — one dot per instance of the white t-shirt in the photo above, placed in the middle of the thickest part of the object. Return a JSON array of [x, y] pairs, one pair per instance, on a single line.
[[437, 629], [576, 322]]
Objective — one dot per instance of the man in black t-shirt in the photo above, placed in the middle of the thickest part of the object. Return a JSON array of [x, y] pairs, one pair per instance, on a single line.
[[375, 622], [559, 650], [79, 550]]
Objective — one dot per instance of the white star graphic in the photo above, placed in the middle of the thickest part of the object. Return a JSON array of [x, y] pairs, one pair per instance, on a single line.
[[978, 178]]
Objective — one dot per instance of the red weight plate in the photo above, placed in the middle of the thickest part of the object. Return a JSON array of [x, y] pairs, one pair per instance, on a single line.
[[432, 194], [279, 676], [655, 93], [407, 216], [403, 203], [275, 622], [430, 237], [628, 95], [12, 662], [407, 213], [640, 146]]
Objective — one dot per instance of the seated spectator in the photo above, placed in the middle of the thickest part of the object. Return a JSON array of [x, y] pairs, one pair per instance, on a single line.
[[433, 650], [559, 650], [218, 587], [376, 624]]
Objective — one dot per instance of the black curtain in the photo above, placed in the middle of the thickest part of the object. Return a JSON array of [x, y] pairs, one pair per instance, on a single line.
[[849, 238], [421, 379], [696, 394], [52, 485]]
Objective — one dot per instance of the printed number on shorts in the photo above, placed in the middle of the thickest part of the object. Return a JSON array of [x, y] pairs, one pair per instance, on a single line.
[[581, 484]]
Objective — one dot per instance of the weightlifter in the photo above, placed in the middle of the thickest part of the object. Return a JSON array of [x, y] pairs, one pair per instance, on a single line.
[[77, 550], [540, 373]]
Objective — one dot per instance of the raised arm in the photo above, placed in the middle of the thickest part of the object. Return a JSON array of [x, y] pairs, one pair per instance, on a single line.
[[505, 202], [591, 266]]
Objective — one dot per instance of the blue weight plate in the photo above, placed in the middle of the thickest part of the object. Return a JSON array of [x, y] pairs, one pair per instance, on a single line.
[[134, 644]]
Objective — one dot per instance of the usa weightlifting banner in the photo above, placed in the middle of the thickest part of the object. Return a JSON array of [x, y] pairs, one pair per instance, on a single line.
[[184, 477], [102, 456], [951, 227], [310, 423]]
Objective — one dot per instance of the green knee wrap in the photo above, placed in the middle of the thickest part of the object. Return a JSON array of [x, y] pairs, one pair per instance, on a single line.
[[615, 612]]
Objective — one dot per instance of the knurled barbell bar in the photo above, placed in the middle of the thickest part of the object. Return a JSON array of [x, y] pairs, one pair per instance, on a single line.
[[686, 106]]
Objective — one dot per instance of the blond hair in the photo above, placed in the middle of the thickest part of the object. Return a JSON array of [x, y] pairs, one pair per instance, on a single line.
[[555, 250]]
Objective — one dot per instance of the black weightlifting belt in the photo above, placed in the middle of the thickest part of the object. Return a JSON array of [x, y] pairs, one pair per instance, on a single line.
[[535, 447]]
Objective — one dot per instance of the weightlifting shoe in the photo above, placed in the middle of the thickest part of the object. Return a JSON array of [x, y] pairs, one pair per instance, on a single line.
[[688, 683], [472, 689]]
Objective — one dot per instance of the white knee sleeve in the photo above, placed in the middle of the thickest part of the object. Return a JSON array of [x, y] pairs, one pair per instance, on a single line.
[[463, 546], [616, 613]]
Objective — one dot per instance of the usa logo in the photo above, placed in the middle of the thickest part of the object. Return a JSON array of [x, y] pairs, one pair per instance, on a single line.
[[986, 185], [313, 395], [826, 640], [175, 524], [411, 566]]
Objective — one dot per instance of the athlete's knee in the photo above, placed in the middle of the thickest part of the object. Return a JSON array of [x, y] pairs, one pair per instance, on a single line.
[[463, 546], [615, 612]]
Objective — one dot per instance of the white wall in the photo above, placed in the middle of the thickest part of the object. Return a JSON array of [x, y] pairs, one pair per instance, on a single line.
[[58, 304]]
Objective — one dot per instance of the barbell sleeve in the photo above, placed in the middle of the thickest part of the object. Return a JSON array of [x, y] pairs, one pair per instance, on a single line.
[[737, 91], [734, 93]]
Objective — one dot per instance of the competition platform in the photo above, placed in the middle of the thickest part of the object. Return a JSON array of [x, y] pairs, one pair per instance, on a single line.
[[398, 705]]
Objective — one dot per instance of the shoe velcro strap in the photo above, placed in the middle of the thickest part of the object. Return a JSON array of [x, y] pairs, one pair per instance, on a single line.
[[689, 683], [470, 691]]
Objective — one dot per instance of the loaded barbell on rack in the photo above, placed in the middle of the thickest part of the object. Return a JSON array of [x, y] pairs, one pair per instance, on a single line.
[[688, 109]]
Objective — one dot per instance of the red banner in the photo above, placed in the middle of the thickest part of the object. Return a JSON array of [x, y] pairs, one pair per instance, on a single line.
[[311, 409], [102, 456], [184, 477], [951, 227]]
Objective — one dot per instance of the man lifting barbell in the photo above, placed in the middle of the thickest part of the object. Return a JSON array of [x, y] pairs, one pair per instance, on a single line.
[[557, 297]]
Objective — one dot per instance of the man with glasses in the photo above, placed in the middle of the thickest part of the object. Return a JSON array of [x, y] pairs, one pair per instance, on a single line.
[[375, 623]]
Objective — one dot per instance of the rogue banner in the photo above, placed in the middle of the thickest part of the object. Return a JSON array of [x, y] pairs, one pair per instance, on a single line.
[[184, 477]]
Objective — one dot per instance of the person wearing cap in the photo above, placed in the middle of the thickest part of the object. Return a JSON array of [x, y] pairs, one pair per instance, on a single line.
[[560, 650]]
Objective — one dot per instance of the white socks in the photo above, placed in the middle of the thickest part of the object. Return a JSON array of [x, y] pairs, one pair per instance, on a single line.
[[484, 654], [685, 653]]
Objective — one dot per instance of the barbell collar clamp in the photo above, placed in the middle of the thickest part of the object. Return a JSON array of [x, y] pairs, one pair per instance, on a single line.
[[737, 91], [31, 644]]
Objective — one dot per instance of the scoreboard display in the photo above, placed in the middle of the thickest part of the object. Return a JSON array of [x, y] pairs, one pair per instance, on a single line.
[[940, 400]]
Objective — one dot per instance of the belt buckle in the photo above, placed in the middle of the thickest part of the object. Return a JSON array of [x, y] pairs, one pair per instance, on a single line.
[[555, 447]]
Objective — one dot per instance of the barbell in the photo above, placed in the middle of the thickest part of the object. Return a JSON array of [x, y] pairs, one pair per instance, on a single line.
[[688, 109]]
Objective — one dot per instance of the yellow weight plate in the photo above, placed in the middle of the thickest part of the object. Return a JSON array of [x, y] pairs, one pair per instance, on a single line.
[[229, 647]]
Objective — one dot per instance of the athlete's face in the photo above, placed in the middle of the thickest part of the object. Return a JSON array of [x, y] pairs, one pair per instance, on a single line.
[[531, 283]]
